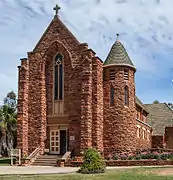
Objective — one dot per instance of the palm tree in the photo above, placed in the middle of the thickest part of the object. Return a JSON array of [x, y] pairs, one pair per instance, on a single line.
[[7, 128]]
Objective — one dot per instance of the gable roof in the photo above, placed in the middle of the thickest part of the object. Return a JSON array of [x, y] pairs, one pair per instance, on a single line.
[[160, 116], [118, 55], [55, 24], [139, 103]]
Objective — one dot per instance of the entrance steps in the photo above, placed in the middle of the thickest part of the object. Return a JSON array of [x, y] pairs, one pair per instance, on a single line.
[[46, 160]]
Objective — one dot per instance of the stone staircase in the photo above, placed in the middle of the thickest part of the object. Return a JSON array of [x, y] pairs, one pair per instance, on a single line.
[[46, 160]]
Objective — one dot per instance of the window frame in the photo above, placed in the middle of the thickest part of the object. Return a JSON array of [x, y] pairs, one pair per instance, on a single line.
[[126, 96], [112, 96], [58, 88]]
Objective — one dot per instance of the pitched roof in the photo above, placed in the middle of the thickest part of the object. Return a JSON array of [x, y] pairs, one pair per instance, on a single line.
[[160, 116], [118, 55], [139, 102], [55, 23]]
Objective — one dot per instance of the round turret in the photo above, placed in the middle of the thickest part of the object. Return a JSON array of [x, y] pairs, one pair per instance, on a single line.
[[119, 101]]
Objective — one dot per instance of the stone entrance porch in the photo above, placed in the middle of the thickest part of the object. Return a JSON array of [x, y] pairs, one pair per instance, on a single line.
[[57, 141]]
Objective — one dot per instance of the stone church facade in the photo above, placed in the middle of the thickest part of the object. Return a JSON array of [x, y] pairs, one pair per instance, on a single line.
[[70, 100]]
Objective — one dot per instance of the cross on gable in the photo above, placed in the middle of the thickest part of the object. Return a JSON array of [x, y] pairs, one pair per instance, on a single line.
[[56, 8]]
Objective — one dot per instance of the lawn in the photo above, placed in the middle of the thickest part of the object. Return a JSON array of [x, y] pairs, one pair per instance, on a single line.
[[128, 174], [5, 161]]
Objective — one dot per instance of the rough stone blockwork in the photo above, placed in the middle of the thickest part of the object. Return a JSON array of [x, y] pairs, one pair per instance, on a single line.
[[144, 142], [87, 114], [169, 137], [97, 104], [22, 107], [157, 141], [119, 121]]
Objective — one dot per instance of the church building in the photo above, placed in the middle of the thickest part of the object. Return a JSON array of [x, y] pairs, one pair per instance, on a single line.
[[70, 100]]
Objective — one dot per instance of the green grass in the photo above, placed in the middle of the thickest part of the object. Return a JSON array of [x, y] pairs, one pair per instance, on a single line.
[[133, 174], [5, 161]]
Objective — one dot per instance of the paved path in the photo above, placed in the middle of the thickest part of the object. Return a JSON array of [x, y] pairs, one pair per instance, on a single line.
[[7, 170], [36, 170]]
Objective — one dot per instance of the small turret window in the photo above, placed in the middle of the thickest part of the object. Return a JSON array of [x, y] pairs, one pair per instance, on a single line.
[[126, 74], [126, 96], [112, 96], [111, 74]]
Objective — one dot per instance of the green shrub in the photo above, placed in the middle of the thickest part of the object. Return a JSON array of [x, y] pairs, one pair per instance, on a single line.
[[130, 157], [115, 157], [164, 156], [93, 162], [137, 157]]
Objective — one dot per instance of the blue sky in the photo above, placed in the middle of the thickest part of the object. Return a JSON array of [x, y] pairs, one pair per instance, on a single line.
[[145, 29]]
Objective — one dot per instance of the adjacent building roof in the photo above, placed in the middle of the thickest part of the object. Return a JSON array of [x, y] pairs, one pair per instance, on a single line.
[[138, 101], [118, 55], [160, 116]]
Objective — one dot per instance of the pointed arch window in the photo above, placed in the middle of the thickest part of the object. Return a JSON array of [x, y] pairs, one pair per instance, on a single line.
[[126, 96], [58, 77], [112, 96]]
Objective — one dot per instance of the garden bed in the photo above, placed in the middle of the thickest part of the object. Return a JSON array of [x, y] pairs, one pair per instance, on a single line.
[[147, 162]]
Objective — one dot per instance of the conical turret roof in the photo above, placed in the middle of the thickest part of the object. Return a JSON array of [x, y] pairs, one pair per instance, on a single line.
[[118, 56]]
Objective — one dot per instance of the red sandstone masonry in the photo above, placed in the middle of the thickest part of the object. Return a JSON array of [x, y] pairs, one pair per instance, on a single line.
[[22, 108], [97, 104], [169, 137], [157, 141], [37, 107], [144, 143], [83, 97], [86, 104], [119, 121]]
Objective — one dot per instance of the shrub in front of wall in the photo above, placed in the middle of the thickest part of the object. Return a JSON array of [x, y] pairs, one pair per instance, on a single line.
[[137, 157], [130, 157], [93, 162], [123, 157], [164, 156], [115, 157]]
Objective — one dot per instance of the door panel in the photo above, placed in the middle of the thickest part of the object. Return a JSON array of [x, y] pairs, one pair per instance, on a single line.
[[54, 142]]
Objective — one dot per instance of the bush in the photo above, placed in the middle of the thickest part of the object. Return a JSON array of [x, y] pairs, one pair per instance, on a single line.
[[123, 157], [130, 157], [137, 157], [164, 156], [115, 157], [93, 162]]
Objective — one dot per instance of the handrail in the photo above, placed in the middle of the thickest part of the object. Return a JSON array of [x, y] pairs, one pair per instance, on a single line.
[[66, 156], [33, 155]]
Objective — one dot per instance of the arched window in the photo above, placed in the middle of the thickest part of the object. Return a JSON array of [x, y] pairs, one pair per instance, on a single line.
[[112, 96], [58, 77], [126, 96]]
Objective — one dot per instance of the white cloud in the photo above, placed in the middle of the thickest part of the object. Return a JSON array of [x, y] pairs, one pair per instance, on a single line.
[[145, 28]]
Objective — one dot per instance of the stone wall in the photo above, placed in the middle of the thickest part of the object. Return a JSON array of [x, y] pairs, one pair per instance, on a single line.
[[119, 120], [22, 106], [36, 102], [157, 141], [97, 104], [114, 163], [169, 137], [144, 135]]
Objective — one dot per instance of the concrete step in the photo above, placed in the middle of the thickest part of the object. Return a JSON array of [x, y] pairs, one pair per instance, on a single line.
[[38, 164], [46, 160]]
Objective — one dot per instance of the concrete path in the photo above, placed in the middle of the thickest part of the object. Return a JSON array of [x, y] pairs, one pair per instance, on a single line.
[[8, 170], [36, 170]]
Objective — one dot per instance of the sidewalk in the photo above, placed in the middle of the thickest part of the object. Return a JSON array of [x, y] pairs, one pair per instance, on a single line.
[[8, 170], [36, 170]]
